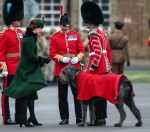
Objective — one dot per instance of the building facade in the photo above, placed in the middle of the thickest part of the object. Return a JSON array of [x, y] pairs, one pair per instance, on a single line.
[[135, 15]]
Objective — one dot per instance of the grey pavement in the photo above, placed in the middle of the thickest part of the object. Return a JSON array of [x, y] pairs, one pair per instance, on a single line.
[[47, 112]]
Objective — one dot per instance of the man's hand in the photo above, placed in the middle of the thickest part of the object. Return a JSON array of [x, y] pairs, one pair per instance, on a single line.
[[74, 60]]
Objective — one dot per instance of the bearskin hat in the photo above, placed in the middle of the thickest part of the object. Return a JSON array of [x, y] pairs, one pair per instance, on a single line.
[[64, 20], [91, 13], [13, 10], [119, 25]]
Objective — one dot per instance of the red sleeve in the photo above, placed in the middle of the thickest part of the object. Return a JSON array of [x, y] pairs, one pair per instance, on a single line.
[[3, 43], [53, 49], [109, 54], [80, 46], [97, 47]]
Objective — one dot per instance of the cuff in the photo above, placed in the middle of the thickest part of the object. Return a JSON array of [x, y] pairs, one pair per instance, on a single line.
[[93, 66], [3, 66], [59, 57]]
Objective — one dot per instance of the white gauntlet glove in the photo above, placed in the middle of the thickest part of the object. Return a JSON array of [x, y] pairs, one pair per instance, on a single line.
[[74, 60], [66, 59], [4, 73]]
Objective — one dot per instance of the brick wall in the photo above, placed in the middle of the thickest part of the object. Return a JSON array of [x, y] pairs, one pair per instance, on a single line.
[[135, 15]]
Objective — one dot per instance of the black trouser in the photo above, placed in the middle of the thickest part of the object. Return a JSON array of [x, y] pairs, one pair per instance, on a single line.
[[101, 109], [5, 101], [63, 101]]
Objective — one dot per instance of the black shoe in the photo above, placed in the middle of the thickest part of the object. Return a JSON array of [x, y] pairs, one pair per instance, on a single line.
[[100, 122], [9, 122], [17, 122], [64, 122], [78, 121], [34, 122], [27, 124]]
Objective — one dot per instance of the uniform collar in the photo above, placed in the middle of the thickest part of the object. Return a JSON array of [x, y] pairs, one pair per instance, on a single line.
[[64, 32]]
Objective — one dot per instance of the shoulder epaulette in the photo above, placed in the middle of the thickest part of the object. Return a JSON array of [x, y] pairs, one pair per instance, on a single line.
[[74, 31], [93, 32], [54, 33], [19, 30], [4, 30]]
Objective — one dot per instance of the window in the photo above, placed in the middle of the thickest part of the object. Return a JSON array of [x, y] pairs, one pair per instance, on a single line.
[[49, 9], [105, 6]]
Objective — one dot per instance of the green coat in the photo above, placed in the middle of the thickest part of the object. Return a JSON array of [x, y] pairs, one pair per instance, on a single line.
[[29, 77]]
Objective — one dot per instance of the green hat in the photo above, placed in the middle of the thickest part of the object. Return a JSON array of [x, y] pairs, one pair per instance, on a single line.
[[41, 22]]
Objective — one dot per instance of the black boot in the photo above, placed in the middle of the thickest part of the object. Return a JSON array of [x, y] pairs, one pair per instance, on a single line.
[[32, 119], [64, 122], [23, 117], [17, 111], [100, 122]]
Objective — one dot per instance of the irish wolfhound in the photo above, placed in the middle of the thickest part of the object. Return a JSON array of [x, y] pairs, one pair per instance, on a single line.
[[70, 74]]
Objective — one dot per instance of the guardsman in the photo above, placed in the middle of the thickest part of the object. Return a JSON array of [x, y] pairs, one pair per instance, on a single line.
[[10, 50], [100, 54], [66, 48]]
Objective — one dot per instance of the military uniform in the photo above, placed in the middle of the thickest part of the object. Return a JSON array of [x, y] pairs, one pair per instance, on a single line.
[[13, 13], [10, 55], [100, 60], [100, 53], [69, 45], [119, 46], [66, 45]]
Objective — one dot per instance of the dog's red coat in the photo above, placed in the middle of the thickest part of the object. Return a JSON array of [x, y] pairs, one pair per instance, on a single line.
[[91, 85]]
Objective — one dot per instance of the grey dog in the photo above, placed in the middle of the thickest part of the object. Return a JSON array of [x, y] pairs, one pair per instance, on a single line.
[[69, 74]]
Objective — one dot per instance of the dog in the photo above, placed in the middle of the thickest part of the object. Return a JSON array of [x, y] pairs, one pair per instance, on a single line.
[[70, 73]]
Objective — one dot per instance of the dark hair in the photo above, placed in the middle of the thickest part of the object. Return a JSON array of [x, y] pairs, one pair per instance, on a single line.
[[33, 24]]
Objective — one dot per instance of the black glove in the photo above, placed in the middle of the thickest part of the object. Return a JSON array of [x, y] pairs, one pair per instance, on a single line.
[[47, 60], [41, 61]]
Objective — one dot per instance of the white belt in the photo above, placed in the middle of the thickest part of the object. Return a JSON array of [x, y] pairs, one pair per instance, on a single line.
[[93, 53]]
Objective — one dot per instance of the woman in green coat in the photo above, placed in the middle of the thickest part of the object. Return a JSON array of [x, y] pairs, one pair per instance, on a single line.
[[29, 77]]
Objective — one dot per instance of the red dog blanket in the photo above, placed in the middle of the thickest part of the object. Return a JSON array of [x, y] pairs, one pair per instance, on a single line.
[[91, 85]]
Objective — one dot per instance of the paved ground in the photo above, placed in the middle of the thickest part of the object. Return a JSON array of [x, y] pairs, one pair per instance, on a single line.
[[47, 113]]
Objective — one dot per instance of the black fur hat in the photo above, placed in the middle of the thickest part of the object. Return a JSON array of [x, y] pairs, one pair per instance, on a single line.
[[13, 10], [64, 20], [91, 13]]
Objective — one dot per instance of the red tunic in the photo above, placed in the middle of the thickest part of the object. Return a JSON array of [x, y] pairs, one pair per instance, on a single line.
[[100, 53], [61, 45], [9, 44], [105, 86]]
